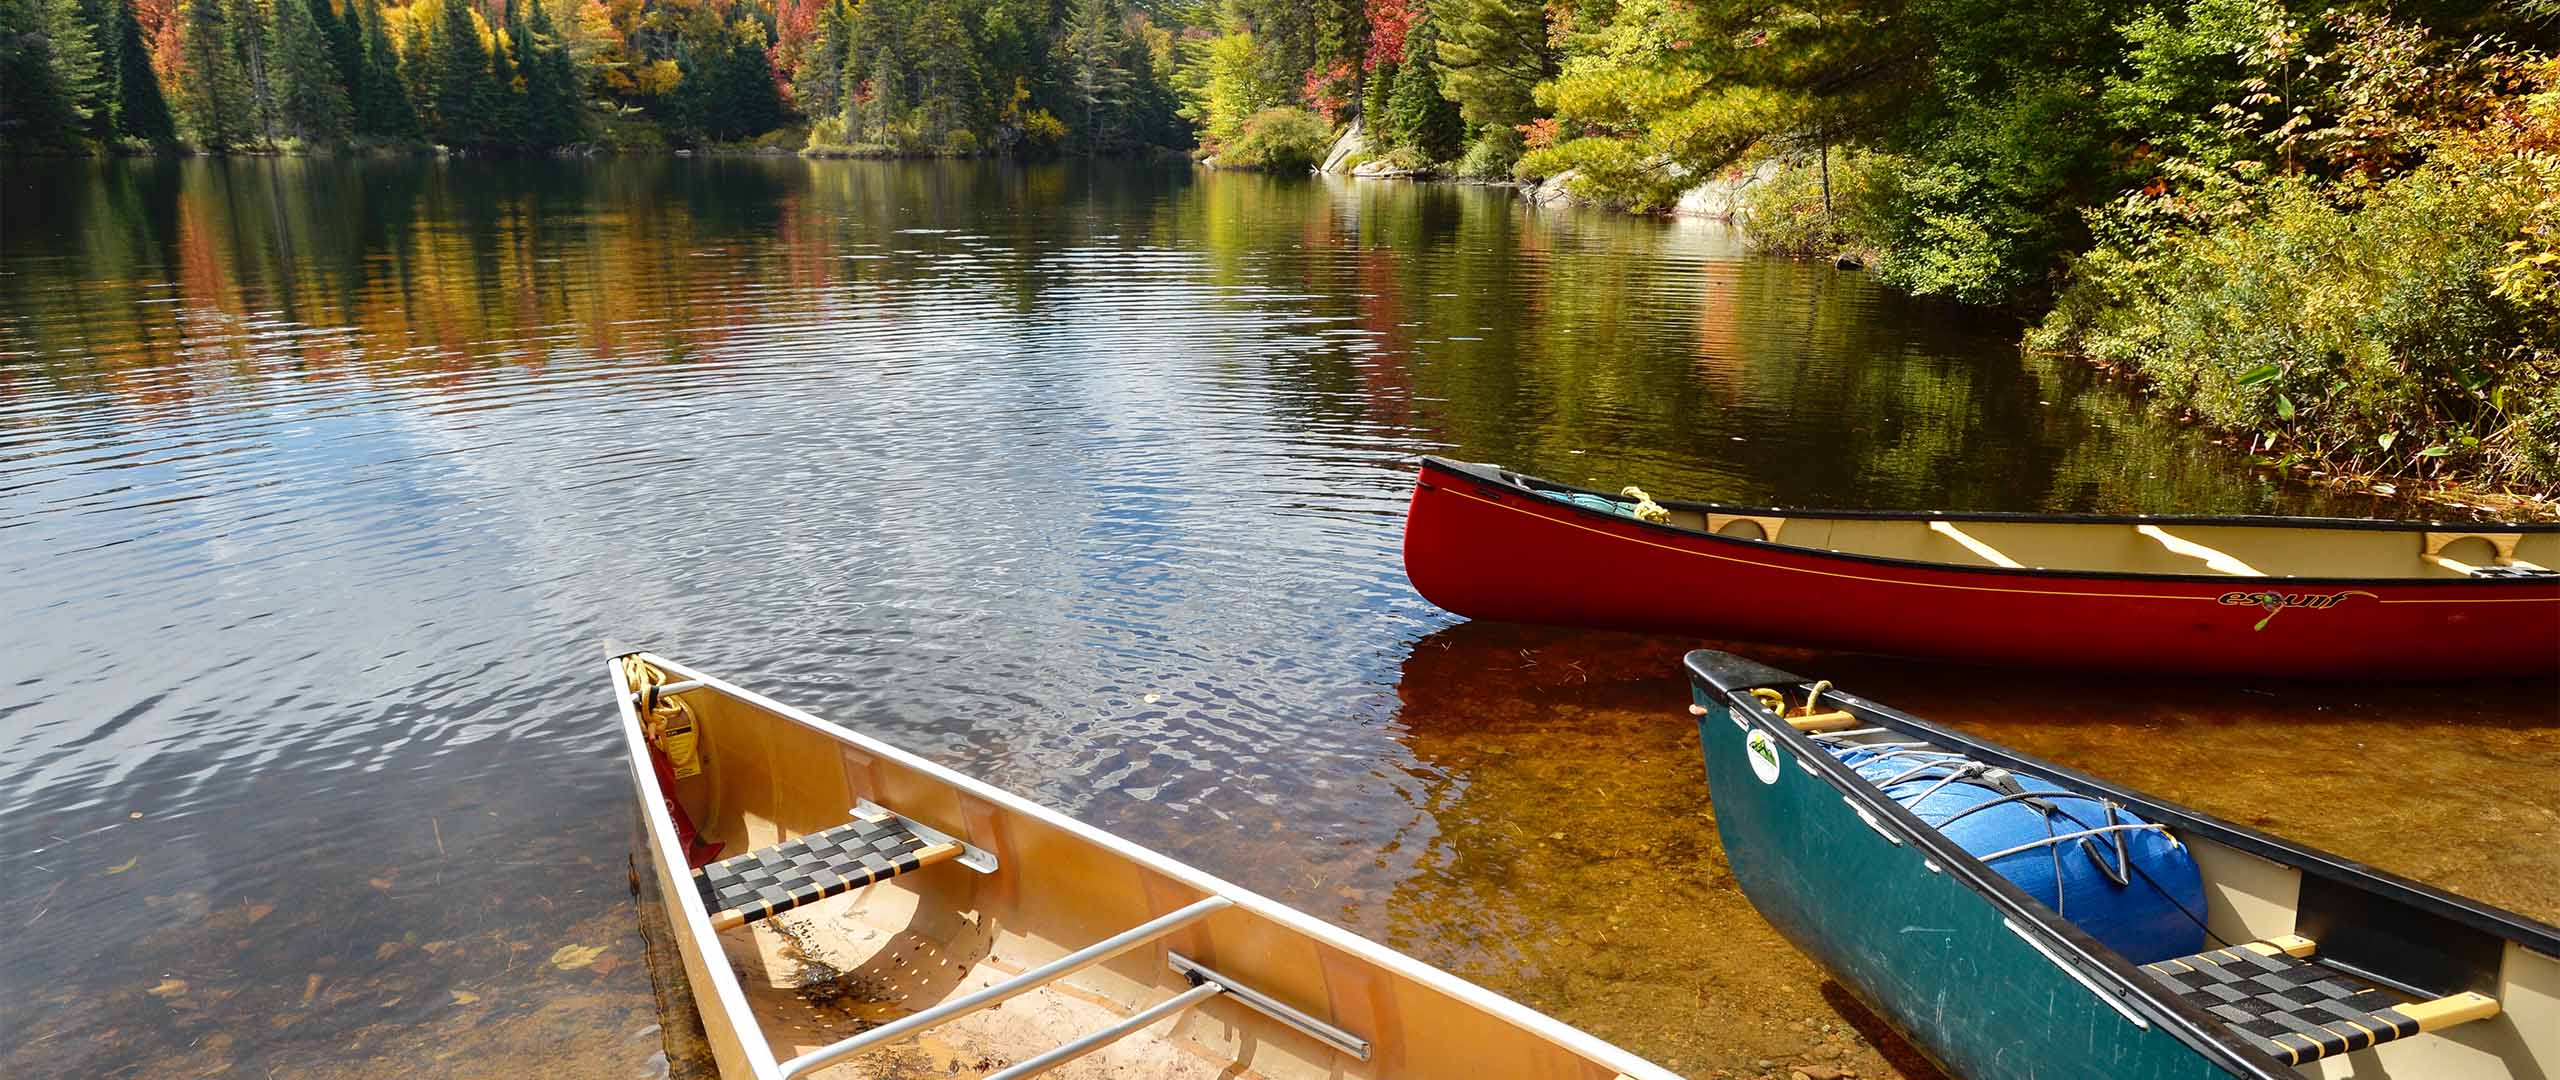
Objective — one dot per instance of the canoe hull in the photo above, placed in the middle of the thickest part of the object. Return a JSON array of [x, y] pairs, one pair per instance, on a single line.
[[770, 773], [1492, 551], [1915, 944]]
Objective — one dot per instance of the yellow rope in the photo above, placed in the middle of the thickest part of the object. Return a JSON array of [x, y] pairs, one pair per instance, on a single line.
[[665, 720], [1646, 509], [1776, 702]]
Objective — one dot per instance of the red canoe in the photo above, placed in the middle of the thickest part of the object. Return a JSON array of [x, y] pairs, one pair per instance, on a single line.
[[2222, 595]]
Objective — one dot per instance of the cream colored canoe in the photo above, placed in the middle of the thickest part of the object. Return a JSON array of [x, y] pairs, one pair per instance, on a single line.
[[1005, 939]]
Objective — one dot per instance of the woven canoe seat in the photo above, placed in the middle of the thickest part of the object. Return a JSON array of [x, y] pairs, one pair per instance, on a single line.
[[2300, 1010], [771, 880]]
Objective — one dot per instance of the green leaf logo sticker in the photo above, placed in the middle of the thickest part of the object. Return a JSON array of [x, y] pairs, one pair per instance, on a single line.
[[1763, 754]]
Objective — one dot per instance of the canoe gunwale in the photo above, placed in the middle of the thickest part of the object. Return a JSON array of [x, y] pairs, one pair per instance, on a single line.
[[1731, 679], [692, 919], [698, 924], [1539, 488]]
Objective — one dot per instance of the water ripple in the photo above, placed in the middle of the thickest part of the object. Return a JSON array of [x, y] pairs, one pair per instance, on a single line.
[[317, 498]]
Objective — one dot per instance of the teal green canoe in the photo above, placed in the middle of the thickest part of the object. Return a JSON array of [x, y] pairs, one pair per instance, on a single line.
[[1889, 849]]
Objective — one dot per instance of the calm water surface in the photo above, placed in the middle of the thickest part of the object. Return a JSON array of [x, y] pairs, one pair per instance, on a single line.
[[322, 485]]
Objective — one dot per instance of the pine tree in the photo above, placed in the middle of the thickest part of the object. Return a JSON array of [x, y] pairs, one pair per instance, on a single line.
[[1284, 39], [213, 100], [1418, 114], [142, 112], [48, 74], [252, 41], [875, 86], [728, 90], [418, 63], [550, 83], [506, 122], [96, 26], [382, 100], [311, 99], [465, 97], [346, 43], [886, 111], [1491, 53], [1342, 36], [1375, 92], [946, 69], [1089, 51], [817, 87]]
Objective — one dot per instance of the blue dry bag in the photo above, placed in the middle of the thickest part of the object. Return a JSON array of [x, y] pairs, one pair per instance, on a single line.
[[2131, 886]]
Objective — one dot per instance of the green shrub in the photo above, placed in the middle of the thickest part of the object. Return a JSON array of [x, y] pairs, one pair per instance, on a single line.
[[827, 131], [1404, 159], [2343, 321], [1280, 139], [1492, 155], [1785, 213]]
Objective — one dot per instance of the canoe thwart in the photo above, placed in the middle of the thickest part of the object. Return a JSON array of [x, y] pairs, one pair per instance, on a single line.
[[768, 881], [2279, 999], [1201, 975], [971, 855]]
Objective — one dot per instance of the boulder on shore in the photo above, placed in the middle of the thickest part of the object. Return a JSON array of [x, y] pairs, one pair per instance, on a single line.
[[1347, 144], [1553, 191], [1720, 198]]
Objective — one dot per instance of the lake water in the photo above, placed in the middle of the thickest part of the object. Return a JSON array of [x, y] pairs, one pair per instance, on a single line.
[[322, 485]]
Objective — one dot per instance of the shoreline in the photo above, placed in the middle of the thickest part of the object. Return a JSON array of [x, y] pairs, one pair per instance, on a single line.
[[1719, 200], [1716, 200]]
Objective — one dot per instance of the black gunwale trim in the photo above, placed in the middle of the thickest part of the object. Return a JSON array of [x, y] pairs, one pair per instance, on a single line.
[[1531, 485], [1733, 682]]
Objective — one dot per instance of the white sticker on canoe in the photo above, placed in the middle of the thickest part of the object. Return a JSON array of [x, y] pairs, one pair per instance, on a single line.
[[1763, 752]]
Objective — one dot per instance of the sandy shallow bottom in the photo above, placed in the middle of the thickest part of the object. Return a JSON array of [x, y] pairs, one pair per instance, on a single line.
[[1561, 850]]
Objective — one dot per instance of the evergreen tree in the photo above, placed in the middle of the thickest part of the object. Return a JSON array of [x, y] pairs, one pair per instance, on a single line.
[[875, 79], [1418, 114], [728, 90], [550, 84], [382, 102], [141, 110], [1491, 53], [96, 26], [252, 41], [505, 123], [214, 105], [311, 99], [49, 74], [346, 43], [464, 96], [946, 70], [1342, 39], [418, 63], [817, 85], [1089, 51], [1284, 39], [1375, 92]]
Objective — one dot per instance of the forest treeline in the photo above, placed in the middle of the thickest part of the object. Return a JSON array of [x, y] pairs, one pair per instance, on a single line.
[[2329, 227], [888, 76]]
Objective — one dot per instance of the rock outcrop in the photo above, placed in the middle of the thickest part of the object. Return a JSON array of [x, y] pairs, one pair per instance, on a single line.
[[1343, 147], [1553, 191], [1720, 198]]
